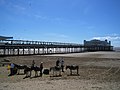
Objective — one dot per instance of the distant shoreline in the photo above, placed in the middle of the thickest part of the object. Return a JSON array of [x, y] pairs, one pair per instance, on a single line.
[[117, 49]]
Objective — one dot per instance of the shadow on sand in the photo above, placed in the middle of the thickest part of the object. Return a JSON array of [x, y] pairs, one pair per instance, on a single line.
[[73, 75]]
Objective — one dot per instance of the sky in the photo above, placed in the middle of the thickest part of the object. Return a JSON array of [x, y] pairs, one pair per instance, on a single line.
[[71, 21]]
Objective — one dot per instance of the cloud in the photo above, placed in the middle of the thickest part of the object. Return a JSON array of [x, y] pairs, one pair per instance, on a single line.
[[12, 6], [55, 35], [51, 19], [109, 37], [40, 17], [115, 38], [19, 7]]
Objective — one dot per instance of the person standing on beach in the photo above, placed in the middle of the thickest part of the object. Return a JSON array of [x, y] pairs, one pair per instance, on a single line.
[[33, 63], [41, 68], [57, 62], [62, 64], [11, 69]]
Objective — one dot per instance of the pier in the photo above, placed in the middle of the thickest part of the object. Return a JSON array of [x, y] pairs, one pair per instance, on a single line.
[[25, 47]]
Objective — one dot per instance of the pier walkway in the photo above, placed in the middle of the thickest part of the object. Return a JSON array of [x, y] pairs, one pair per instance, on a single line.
[[25, 47]]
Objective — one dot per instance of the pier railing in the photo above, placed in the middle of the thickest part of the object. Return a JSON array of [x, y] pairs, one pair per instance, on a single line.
[[25, 47]]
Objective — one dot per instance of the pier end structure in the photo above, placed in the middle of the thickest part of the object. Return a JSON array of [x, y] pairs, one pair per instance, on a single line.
[[98, 45]]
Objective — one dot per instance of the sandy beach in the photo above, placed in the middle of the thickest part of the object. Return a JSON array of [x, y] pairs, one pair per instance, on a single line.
[[97, 71]]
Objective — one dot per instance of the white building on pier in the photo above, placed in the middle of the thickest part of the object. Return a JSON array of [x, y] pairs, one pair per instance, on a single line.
[[98, 45]]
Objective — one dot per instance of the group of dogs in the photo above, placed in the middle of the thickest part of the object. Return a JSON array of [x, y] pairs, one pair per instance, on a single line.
[[36, 69]]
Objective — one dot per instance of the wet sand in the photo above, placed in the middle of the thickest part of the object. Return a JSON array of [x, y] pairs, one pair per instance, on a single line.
[[97, 71]]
